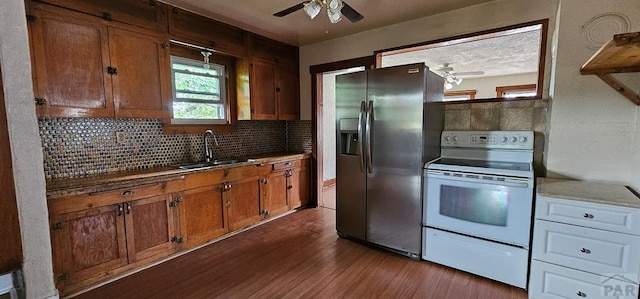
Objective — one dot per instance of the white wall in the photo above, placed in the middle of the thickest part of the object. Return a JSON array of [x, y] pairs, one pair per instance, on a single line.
[[594, 132], [486, 86], [484, 16], [26, 151]]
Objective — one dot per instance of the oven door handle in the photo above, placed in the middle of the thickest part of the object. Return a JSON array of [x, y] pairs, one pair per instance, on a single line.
[[477, 178]]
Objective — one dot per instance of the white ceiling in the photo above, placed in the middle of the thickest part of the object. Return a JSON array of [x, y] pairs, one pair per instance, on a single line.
[[297, 29]]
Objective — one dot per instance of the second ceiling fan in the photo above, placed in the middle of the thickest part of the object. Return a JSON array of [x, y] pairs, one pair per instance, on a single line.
[[335, 10]]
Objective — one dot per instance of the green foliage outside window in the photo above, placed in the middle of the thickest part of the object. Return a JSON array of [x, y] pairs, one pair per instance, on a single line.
[[198, 92]]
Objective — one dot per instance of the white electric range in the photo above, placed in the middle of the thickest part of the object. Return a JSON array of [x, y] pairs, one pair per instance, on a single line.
[[478, 200]]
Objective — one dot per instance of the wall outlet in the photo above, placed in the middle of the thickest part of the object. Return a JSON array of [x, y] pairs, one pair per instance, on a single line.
[[120, 136]]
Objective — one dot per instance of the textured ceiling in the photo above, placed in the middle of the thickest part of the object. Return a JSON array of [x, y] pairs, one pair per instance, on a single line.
[[297, 29], [496, 56]]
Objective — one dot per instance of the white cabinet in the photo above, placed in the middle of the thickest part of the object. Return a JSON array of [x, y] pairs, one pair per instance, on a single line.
[[585, 246]]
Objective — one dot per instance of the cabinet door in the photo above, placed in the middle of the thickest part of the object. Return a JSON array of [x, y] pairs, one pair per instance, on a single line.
[[202, 215], [263, 91], [243, 202], [71, 56], [298, 187], [88, 243], [150, 228], [142, 78], [143, 13], [288, 94], [199, 30], [273, 195]]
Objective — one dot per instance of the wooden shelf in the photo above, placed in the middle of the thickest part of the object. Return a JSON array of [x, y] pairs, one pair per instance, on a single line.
[[620, 55]]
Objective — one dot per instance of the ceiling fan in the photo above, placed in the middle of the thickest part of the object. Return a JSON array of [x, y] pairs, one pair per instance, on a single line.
[[451, 77], [335, 10]]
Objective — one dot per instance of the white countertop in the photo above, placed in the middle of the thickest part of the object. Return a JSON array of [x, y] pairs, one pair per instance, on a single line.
[[601, 193]]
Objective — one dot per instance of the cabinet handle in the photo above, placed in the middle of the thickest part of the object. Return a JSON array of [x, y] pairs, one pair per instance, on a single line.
[[128, 208], [264, 181], [112, 70], [119, 210], [588, 216], [107, 16], [586, 251], [287, 164], [40, 101], [289, 187], [581, 294], [228, 204], [127, 192], [177, 239], [265, 212]]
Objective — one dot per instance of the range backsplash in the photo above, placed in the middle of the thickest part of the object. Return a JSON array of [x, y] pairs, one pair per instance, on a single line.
[[76, 147]]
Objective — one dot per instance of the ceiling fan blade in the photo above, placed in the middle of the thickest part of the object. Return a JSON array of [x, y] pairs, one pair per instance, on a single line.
[[289, 10], [476, 73], [351, 13]]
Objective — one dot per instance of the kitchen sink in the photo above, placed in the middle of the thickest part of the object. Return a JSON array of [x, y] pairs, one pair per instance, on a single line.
[[211, 164]]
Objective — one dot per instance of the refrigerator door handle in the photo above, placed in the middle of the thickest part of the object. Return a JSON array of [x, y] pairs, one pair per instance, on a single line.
[[363, 109], [369, 129]]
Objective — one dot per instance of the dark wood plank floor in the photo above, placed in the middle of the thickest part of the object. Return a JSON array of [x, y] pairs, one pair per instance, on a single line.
[[299, 256]]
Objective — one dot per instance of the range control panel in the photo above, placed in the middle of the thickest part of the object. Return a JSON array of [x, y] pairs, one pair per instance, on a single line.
[[488, 139]]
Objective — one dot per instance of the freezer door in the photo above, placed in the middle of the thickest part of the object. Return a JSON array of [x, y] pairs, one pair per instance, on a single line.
[[351, 204], [394, 205]]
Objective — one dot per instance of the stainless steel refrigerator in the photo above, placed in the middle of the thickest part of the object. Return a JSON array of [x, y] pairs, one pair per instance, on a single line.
[[388, 124]]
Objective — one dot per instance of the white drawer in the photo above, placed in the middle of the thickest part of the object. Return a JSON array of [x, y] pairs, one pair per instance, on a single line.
[[508, 264], [587, 249], [607, 217], [552, 281]]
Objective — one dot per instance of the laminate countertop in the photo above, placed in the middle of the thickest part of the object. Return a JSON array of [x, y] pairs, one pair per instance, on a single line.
[[593, 192], [104, 182]]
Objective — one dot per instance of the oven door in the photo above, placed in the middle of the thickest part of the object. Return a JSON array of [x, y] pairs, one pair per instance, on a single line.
[[487, 206]]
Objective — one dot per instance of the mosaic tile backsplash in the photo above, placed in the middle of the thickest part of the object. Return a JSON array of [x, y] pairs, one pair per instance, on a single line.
[[76, 147]]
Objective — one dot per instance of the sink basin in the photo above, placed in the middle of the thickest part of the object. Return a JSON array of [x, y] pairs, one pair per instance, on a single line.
[[211, 164]]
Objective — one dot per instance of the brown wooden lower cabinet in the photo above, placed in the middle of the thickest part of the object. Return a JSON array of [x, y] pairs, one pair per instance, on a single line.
[[90, 244], [273, 196], [242, 199], [202, 215], [125, 229], [298, 188]]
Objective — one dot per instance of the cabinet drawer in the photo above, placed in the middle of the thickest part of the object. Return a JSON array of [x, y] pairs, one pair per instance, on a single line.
[[287, 165], [607, 217], [98, 199], [587, 249], [552, 281]]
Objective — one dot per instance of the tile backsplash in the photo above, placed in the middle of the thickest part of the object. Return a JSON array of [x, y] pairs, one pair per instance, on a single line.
[[516, 115], [76, 147]]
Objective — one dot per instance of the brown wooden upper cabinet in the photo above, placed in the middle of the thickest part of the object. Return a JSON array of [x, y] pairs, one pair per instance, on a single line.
[[195, 29], [148, 14], [88, 67], [274, 80]]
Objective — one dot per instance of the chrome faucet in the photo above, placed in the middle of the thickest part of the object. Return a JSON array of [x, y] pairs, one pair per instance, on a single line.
[[208, 152]]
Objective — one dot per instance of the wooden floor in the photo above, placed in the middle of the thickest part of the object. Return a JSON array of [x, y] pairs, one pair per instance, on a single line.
[[299, 256]]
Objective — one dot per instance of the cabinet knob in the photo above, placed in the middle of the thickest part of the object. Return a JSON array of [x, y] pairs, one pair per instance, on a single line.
[[587, 215], [585, 251], [581, 294]]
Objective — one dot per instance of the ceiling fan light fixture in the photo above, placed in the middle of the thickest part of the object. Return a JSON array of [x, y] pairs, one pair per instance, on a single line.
[[312, 8], [448, 85], [334, 10]]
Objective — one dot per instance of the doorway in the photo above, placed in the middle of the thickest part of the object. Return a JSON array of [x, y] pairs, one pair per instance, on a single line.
[[323, 119]]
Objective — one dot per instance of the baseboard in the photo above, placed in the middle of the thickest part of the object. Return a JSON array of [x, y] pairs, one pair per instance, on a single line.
[[329, 183]]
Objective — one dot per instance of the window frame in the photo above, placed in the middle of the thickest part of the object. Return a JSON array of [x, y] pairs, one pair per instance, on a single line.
[[235, 69], [224, 100], [501, 90], [468, 92]]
